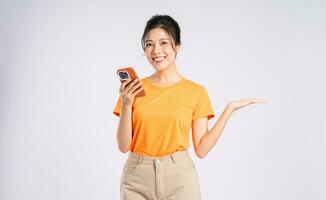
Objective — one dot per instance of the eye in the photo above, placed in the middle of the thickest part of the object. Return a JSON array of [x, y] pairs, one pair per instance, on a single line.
[[164, 43], [148, 45]]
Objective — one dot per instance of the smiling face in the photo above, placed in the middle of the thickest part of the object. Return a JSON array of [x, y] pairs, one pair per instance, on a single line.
[[159, 49]]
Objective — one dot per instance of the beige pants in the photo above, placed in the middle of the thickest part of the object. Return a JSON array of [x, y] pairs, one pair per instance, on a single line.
[[171, 177]]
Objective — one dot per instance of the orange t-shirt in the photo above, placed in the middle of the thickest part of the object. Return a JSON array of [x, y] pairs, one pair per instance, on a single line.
[[161, 119]]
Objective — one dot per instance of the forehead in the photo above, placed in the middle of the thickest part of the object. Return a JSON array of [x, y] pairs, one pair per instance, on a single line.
[[157, 34]]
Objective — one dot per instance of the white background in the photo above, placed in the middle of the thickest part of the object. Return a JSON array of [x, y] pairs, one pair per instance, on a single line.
[[58, 88]]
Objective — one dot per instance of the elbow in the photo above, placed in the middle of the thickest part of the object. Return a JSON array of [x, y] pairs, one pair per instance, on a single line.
[[124, 149], [200, 154], [122, 144]]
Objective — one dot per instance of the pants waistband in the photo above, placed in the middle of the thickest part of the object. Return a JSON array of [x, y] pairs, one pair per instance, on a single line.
[[136, 158]]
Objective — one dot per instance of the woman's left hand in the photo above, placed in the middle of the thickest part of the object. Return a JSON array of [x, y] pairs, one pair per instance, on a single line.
[[235, 105]]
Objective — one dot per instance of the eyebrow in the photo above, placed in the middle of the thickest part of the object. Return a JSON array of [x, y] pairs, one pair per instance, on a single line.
[[159, 40]]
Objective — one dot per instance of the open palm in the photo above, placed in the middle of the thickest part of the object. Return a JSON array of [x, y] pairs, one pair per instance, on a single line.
[[234, 105]]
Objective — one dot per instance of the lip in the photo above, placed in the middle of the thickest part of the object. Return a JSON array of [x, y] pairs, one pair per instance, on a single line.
[[164, 57], [158, 57]]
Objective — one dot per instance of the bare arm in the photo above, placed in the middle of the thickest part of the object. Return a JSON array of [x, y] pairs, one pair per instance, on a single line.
[[124, 130], [204, 140]]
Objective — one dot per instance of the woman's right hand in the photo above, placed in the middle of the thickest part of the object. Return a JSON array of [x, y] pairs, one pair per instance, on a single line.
[[129, 92]]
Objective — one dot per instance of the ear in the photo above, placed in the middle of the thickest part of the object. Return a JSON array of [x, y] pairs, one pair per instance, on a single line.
[[178, 47]]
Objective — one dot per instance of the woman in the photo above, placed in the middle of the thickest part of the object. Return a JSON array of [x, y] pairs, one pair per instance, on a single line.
[[155, 127]]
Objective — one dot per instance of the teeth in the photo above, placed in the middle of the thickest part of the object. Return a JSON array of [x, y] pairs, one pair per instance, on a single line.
[[159, 59]]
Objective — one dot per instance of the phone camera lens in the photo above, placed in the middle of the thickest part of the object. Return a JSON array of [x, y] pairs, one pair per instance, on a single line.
[[123, 75]]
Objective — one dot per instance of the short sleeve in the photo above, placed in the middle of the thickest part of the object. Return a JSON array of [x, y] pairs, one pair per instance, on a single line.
[[117, 107], [204, 107]]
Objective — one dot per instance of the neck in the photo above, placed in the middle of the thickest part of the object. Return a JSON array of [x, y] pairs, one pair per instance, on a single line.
[[170, 74]]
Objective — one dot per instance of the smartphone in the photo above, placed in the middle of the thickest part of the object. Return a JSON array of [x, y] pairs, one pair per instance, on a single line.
[[129, 73]]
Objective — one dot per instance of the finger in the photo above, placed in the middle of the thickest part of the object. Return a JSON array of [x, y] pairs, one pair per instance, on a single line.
[[259, 101], [137, 91], [127, 89], [134, 86], [255, 100], [124, 83], [132, 83]]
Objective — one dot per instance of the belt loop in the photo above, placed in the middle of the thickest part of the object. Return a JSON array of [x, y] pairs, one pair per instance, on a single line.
[[172, 157], [140, 159]]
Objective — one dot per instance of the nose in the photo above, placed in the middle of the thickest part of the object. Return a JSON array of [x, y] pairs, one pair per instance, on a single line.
[[157, 49]]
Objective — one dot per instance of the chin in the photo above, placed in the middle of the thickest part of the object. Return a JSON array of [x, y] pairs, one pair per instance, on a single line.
[[160, 67]]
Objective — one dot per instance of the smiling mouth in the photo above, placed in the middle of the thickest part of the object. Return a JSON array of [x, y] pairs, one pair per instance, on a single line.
[[159, 59]]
